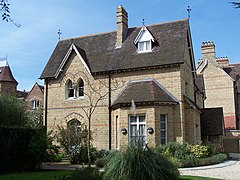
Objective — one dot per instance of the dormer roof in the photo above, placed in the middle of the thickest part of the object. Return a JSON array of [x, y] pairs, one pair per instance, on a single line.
[[144, 35]]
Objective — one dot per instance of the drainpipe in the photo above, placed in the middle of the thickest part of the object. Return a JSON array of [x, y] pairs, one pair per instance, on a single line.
[[46, 103], [109, 111]]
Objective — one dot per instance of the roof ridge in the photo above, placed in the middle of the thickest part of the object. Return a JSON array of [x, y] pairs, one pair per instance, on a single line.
[[102, 33]]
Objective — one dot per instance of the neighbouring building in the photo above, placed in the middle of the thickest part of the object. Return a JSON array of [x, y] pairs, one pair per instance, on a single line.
[[34, 98], [8, 84], [212, 127], [141, 79], [222, 89]]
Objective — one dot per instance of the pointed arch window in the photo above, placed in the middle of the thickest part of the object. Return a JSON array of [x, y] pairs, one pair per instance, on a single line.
[[70, 89], [80, 88]]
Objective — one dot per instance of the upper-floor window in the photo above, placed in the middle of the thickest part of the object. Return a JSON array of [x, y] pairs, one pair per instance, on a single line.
[[144, 40], [70, 89], [144, 46], [35, 104], [80, 88], [74, 90]]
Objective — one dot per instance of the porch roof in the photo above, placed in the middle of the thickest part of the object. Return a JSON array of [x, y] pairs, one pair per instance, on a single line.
[[144, 92]]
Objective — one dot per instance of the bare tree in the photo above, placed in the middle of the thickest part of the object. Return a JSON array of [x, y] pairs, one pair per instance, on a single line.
[[96, 92]]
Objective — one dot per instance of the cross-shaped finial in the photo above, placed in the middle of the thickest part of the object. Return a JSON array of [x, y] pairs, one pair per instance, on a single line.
[[143, 22], [59, 34], [189, 11]]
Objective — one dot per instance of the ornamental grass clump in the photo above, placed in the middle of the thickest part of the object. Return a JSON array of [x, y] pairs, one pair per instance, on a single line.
[[136, 163]]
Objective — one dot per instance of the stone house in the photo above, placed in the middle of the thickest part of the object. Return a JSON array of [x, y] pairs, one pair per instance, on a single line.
[[141, 79], [222, 89]]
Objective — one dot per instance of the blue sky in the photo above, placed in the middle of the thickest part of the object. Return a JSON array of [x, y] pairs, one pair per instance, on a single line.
[[29, 47]]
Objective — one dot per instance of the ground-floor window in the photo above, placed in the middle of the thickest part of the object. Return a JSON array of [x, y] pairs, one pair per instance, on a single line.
[[137, 129], [163, 128]]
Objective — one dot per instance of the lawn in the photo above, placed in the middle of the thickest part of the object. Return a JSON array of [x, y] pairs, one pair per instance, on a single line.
[[39, 175], [51, 175]]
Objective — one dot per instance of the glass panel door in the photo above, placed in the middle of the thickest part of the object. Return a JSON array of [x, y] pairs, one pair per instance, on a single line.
[[137, 129]]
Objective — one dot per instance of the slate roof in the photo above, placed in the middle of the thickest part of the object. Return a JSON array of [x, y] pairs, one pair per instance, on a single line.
[[6, 73], [145, 91], [234, 71], [200, 83], [100, 53], [212, 122]]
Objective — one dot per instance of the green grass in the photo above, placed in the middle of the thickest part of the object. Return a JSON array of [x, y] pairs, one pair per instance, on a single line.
[[195, 178], [51, 175], [39, 175]]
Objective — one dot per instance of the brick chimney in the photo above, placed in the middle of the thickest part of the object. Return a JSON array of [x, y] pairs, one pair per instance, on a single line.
[[208, 51], [122, 25]]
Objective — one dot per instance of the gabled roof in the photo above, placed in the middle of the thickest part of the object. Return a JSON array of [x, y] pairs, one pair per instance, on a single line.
[[212, 122], [144, 32], [234, 72], [6, 73], [100, 53], [36, 85], [145, 91]]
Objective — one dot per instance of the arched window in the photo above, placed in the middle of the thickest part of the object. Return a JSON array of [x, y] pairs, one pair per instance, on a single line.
[[70, 89], [80, 88], [74, 130]]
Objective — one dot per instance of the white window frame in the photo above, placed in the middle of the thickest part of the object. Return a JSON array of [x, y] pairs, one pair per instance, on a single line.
[[137, 123], [145, 46], [35, 104], [164, 130]]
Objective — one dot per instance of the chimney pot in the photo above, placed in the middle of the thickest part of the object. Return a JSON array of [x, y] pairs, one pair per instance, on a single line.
[[208, 50], [122, 25]]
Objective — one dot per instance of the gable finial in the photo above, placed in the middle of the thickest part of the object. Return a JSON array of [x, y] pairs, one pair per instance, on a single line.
[[59, 34], [189, 11], [143, 22]]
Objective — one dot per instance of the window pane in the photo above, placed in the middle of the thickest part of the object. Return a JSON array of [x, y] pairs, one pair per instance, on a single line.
[[133, 119], [148, 46], [140, 46], [133, 130], [162, 118], [163, 126], [142, 130], [141, 118], [80, 88], [70, 92]]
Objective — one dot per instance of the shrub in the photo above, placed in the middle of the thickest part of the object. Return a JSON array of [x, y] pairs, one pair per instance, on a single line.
[[21, 149], [201, 151], [101, 162], [175, 150], [136, 163], [98, 154], [37, 148]]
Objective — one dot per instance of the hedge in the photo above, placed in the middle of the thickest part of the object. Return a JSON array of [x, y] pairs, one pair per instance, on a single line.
[[21, 148]]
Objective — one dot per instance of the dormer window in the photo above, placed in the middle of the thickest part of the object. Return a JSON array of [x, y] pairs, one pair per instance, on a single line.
[[144, 46], [144, 40]]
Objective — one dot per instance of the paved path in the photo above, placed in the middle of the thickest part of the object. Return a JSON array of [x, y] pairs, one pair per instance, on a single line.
[[229, 170]]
